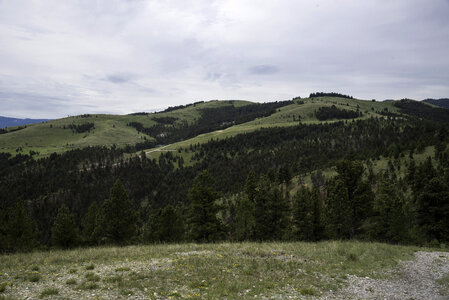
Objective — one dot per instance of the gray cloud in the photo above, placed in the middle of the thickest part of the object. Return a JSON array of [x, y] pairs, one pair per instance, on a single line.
[[117, 78], [263, 69], [62, 57]]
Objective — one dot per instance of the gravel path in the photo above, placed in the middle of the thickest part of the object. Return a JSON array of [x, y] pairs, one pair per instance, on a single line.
[[416, 279]]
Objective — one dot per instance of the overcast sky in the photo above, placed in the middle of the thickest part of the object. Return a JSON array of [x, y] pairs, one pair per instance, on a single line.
[[60, 58]]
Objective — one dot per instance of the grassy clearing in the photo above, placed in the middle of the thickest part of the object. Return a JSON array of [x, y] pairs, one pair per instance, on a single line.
[[206, 271]]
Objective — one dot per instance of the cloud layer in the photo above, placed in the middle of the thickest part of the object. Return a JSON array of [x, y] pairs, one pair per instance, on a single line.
[[60, 58]]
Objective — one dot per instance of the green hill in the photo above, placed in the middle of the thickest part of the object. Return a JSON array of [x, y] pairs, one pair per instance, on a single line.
[[108, 130], [384, 165]]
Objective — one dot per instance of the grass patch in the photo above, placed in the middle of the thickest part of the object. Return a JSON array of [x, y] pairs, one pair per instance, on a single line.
[[3, 286], [34, 277], [92, 277], [49, 292], [213, 271], [88, 286], [444, 283], [71, 281], [308, 291], [35, 268], [90, 267]]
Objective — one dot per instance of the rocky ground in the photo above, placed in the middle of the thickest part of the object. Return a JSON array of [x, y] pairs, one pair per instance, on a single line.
[[417, 279]]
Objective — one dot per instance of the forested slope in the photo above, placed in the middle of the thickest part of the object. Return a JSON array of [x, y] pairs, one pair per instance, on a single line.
[[241, 182]]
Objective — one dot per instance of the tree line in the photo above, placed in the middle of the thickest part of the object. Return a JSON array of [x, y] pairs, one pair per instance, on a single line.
[[243, 191]]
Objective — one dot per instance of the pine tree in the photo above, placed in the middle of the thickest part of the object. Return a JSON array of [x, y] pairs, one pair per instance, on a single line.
[[433, 209], [243, 226], [270, 213], [338, 211], [19, 229], [90, 223], [303, 215], [204, 225], [118, 219], [165, 226], [64, 232]]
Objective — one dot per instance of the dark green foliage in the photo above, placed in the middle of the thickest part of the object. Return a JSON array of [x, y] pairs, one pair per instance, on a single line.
[[80, 128], [327, 113], [211, 119], [244, 221], [389, 219], [306, 215], [337, 211], [64, 230], [260, 210], [422, 110], [166, 225], [331, 94], [90, 225], [203, 223], [433, 209], [271, 212], [17, 233], [444, 102], [118, 218]]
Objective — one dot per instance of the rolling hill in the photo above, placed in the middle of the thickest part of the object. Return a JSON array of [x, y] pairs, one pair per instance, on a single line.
[[184, 124], [309, 169]]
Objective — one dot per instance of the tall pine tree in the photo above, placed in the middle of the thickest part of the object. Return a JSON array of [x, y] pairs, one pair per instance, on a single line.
[[118, 218], [203, 222], [64, 232]]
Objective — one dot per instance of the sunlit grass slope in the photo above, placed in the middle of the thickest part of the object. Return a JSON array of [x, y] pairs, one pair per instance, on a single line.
[[50, 136], [206, 271], [303, 110]]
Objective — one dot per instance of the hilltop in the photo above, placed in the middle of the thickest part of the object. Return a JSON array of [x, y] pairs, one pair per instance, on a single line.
[[185, 125]]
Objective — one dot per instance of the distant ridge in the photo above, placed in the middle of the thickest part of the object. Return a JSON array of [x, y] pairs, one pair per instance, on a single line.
[[443, 102], [10, 122]]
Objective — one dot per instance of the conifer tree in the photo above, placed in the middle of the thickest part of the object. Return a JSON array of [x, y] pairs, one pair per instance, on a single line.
[[166, 225], [243, 226], [271, 212], [204, 225], [64, 232], [90, 224], [338, 211], [118, 219], [303, 215], [19, 229]]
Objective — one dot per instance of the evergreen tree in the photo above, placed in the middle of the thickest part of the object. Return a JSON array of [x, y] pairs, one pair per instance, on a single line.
[[119, 219], [303, 215], [433, 209], [204, 224], [90, 223], [64, 230], [19, 229], [338, 211], [271, 212], [243, 226], [165, 226], [388, 222]]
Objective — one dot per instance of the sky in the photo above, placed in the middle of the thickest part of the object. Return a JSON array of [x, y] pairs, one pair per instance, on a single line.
[[60, 58]]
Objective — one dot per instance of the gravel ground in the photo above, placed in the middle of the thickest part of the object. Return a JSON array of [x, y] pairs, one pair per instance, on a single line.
[[416, 279]]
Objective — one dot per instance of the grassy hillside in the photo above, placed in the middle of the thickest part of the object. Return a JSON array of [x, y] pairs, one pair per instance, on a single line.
[[51, 136], [206, 271], [303, 110]]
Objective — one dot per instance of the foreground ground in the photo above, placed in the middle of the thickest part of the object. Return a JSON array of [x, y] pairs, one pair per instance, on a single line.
[[327, 270]]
